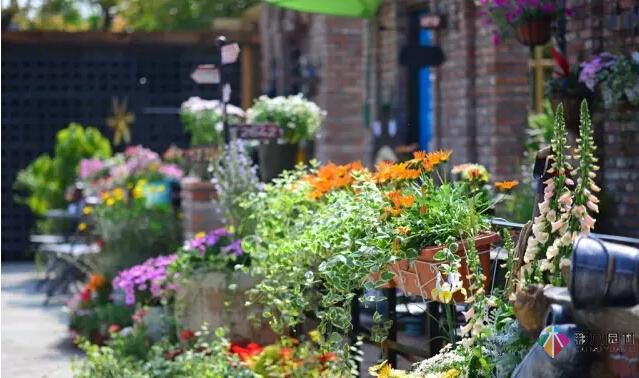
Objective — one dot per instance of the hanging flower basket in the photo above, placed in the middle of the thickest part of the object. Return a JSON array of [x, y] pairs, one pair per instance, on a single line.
[[419, 277], [534, 32]]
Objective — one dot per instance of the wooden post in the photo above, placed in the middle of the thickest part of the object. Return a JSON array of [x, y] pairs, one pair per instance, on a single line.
[[248, 75]]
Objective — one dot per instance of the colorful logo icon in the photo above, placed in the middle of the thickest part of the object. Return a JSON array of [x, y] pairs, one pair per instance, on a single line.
[[552, 340]]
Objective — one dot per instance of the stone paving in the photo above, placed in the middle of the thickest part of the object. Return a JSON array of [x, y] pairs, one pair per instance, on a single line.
[[34, 336]]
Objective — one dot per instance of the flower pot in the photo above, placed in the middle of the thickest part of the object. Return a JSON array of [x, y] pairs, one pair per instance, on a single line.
[[419, 277], [199, 158], [534, 32], [275, 158], [205, 298], [157, 193], [156, 323], [604, 274]]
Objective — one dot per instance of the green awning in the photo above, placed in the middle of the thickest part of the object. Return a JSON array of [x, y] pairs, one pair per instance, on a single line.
[[349, 8]]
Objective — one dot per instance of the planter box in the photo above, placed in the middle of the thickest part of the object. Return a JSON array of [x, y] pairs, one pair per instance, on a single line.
[[205, 298], [419, 276]]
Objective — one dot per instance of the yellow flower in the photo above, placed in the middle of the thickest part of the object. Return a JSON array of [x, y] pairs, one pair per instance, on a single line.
[[384, 370], [452, 373], [87, 210], [110, 201], [82, 226], [118, 193], [138, 192], [315, 335], [105, 195], [443, 294], [199, 235]]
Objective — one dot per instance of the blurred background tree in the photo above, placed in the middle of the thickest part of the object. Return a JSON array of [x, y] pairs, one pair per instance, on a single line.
[[118, 15]]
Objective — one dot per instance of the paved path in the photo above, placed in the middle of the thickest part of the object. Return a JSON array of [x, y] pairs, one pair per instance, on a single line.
[[34, 337]]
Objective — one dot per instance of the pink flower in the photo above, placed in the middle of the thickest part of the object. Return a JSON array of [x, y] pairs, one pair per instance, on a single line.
[[89, 167], [171, 170], [566, 199]]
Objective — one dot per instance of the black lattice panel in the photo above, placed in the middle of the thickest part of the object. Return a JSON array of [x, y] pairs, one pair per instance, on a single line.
[[47, 86]]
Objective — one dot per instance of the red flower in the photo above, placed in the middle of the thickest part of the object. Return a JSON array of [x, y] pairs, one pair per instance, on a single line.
[[286, 353], [247, 351], [186, 335], [85, 295], [114, 328], [328, 357]]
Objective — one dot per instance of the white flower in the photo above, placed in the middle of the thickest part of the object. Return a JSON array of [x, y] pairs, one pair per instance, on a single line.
[[592, 206], [469, 314], [543, 237], [551, 216], [537, 229], [547, 265], [552, 251], [544, 206], [556, 225]]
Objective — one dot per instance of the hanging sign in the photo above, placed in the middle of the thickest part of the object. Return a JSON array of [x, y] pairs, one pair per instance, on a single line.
[[259, 131], [206, 74], [230, 53], [432, 21]]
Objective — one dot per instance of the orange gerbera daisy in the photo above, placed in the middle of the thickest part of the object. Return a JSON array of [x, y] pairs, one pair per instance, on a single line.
[[399, 200], [330, 177], [506, 185], [394, 172], [435, 158]]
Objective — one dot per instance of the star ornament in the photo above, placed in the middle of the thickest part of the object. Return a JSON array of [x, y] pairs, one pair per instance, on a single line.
[[120, 121]]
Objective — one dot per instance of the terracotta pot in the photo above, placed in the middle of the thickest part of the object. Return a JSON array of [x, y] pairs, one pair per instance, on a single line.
[[535, 32], [205, 299], [419, 277]]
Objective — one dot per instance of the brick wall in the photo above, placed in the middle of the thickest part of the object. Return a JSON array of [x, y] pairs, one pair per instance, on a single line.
[[334, 46], [590, 31]]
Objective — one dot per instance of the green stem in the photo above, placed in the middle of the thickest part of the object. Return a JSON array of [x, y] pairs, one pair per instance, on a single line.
[[451, 323]]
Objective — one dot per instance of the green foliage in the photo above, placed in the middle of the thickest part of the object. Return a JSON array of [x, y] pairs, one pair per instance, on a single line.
[[117, 15], [620, 84], [540, 129], [205, 358], [95, 321], [314, 255], [134, 232], [45, 181], [204, 126]]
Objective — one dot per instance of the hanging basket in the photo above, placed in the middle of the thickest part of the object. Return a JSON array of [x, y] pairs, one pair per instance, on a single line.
[[535, 32], [419, 277]]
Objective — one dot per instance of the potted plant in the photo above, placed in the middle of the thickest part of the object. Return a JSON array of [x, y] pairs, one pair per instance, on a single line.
[[210, 289], [299, 119], [529, 21], [203, 120], [565, 87], [321, 231], [615, 78]]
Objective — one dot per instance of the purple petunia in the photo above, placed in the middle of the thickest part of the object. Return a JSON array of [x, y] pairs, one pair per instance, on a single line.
[[150, 275], [235, 247], [590, 69]]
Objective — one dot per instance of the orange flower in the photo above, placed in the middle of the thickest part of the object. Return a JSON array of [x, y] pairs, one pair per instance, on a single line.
[[330, 177], [435, 158], [96, 281], [418, 157], [506, 185], [399, 200], [423, 210], [402, 230], [394, 172]]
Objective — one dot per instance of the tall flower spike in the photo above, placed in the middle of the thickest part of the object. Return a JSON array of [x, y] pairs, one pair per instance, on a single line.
[[585, 172]]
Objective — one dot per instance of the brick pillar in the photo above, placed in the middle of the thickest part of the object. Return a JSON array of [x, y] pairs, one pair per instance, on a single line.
[[198, 210]]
